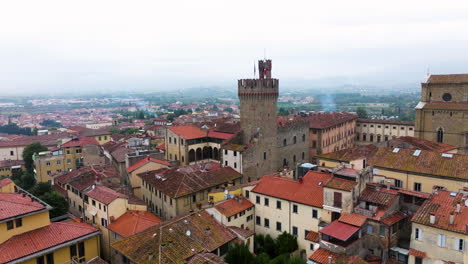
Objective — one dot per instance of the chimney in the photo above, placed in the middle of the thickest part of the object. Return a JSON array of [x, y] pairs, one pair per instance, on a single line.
[[452, 218], [458, 210], [388, 184], [330, 259], [432, 218]]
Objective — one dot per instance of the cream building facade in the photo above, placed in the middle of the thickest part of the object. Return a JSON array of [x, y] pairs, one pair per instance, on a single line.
[[369, 131]]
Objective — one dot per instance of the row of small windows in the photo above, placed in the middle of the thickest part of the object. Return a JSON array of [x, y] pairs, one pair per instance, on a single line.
[[250, 217], [379, 126], [295, 207], [458, 243], [175, 140], [286, 163], [294, 140], [279, 228]]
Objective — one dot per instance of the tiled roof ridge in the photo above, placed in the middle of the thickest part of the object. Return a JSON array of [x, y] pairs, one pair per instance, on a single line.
[[23, 203]]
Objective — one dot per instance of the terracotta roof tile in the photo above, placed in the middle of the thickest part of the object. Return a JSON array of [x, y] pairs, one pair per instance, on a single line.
[[353, 219], [145, 161], [84, 177], [393, 218], [308, 191], [313, 236], [15, 204], [42, 238], [177, 240], [442, 204], [80, 142], [104, 194], [206, 258], [233, 206], [427, 162], [340, 184], [5, 181], [184, 180], [325, 120], [358, 152], [188, 131], [133, 222], [10, 163], [381, 197], [422, 144], [244, 233], [120, 153], [417, 253], [321, 256]]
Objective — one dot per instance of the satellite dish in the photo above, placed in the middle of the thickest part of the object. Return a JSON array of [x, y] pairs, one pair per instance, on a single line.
[[188, 233]]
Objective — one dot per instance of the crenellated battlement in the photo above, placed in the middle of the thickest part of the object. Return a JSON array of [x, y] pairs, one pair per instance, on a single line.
[[250, 86]]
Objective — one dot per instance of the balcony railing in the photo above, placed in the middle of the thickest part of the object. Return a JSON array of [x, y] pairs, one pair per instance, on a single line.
[[365, 212]]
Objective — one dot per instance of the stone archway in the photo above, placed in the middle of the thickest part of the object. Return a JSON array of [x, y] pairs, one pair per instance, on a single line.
[[191, 155], [215, 153], [198, 155]]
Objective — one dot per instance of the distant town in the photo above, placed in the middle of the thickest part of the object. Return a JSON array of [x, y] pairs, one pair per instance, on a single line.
[[257, 176]]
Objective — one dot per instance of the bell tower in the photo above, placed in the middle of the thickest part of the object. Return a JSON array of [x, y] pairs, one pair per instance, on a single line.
[[258, 99]]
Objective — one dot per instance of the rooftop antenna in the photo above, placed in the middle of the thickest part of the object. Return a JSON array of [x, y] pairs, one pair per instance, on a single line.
[[428, 71], [264, 53]]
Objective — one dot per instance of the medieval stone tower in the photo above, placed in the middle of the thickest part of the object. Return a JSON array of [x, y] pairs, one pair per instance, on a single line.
[[258, 99]]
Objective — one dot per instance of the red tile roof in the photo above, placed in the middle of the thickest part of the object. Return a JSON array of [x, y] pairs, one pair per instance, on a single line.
[[133, 222], [417, 253], [206, 258], [120, 153], [309, 191], [353, 219], [84, 177], [340, 184], [427, 162], [188, 131], [179, 181], [313, 236], [245, 233], [43, 238], [145, 161], [326, 120], [15, 204], [419, 143], [104, 194], [393, 218], [10, 163], [442, 204], [339, 230], [232, 206], [321, 256], [381, 197], [46, 140], [5, 181], [350, 154], [177, 240], [80, 142]]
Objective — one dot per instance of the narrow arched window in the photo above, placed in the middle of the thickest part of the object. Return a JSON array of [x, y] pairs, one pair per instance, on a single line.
[[440, 135], [294, 140], [284, 142]]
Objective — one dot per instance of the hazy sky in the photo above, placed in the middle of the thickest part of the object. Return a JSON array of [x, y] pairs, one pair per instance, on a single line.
[[92, 45]]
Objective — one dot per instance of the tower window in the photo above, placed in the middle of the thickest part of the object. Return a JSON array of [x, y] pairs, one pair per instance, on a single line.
[[440, 135], [294, 140], [284, 142], [264, 155]]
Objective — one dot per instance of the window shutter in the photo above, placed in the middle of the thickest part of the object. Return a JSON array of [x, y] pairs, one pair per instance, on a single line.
[[439, 240]]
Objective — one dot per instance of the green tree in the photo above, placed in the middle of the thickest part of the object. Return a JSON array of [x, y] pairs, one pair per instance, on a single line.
[[262, 258], [40, 189], [228, 109], [28, 153], [270, 246], [238, 253], [361, 112], [26, 181], [58, 203], [286, 243]]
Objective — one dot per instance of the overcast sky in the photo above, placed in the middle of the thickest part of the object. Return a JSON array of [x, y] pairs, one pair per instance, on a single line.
[[65, 46]]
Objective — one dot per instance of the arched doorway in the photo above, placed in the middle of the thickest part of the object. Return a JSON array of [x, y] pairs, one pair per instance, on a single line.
[[207, 153], [198, 155], [191, 155], [216, 154]]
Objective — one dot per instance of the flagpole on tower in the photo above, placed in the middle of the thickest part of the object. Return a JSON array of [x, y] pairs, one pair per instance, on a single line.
[[255, 70]]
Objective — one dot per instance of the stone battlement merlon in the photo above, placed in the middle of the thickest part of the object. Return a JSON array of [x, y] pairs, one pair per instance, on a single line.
[[251, 84]]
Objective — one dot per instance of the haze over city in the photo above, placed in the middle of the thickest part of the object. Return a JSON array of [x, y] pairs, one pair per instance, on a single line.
[[59, 47]]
